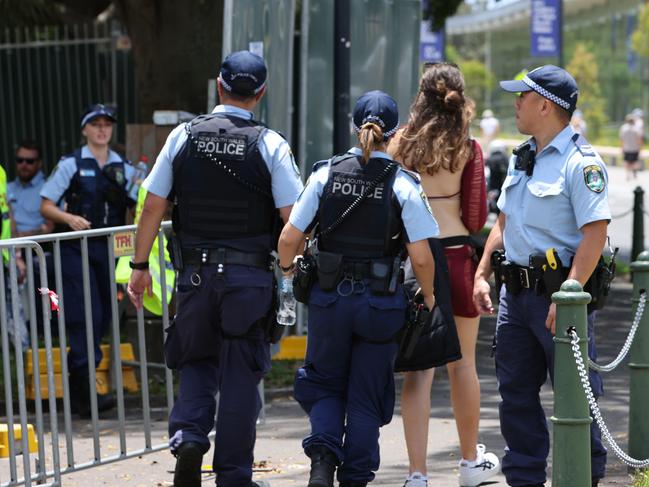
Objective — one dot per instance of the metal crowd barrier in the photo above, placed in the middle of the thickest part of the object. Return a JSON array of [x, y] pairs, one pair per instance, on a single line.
[[49, 466]]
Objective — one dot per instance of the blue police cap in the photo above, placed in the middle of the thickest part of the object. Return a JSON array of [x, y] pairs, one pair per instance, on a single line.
[[243, 73], [98, 110], [379, 108], [551, 82]]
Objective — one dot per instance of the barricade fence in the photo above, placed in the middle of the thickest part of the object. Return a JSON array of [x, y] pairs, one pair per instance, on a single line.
[[53, 453]]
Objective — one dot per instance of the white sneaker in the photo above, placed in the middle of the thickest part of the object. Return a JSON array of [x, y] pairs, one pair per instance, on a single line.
[[416, 479], [485, 466]]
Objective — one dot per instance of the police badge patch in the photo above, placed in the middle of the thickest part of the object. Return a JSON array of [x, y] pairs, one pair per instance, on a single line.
[[425, 200], [594, 178]]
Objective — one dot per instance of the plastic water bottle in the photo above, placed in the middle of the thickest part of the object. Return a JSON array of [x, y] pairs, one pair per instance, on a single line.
[[286, 313]]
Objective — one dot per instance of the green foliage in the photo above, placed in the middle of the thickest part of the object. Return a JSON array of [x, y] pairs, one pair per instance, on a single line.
[[282, 373], [26, 13], [585, 70], [437, 11], [640, 38], [477, 77], [641, 479]]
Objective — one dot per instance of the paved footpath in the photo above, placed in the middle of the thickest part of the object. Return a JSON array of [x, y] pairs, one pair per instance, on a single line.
[[283, 463]]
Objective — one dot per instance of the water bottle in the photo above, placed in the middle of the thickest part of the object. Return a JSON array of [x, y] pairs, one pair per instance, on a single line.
[[286, 313]]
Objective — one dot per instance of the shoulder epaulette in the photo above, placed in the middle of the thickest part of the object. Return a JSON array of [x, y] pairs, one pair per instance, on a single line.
[[583, 146], [416, 177], [317, 165]]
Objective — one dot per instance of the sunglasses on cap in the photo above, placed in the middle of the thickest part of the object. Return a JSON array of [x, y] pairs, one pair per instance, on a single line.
[[26, 160]]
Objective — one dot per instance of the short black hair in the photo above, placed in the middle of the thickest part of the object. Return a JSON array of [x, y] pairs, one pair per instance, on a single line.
[[31, 145]]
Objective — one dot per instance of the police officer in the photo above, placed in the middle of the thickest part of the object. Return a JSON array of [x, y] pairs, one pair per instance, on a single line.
[[346, 385], [226, 175], [87, 189], [554, 196]]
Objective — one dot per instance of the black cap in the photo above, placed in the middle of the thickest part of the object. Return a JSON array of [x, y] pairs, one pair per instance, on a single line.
[[379, 108], [243, 73], [95, 111], [551, 82]]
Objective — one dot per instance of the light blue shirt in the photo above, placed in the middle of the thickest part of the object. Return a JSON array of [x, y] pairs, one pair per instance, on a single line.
[[59, 181], [25, 202], [275, 151], [568, 189], [416, 214]]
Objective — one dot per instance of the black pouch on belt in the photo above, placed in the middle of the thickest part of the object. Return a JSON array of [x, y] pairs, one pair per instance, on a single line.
[[380, 273], [553, 272], [306, 273], [511, 277], [330, 268]]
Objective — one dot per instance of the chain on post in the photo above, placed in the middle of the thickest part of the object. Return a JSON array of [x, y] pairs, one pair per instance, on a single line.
[[594, 408], [629, 339]]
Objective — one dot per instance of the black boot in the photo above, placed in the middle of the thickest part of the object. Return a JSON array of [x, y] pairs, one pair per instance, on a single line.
[[189, 458], [323, 467], [80, 394]]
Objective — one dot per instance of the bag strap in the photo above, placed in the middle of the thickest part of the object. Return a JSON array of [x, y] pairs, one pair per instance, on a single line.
[[356, 203]]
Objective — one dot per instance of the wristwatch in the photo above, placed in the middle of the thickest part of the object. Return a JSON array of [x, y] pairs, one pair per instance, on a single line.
[[286, 269], [140, 266]]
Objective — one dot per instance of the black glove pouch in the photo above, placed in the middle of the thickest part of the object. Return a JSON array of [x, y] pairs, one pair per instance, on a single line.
[[330, 268]]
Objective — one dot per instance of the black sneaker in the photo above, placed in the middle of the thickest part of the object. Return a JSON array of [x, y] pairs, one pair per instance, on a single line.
[[189, 458]]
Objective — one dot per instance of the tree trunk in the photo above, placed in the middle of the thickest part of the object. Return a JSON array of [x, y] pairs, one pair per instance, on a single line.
[[176, 49]]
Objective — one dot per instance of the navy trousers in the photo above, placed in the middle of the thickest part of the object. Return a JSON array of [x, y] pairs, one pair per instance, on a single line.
[[218, 343], [524, 357], [346, 385], [73, 298]]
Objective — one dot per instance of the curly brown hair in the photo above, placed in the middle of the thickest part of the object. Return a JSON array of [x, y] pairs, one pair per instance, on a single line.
[[437, 133]]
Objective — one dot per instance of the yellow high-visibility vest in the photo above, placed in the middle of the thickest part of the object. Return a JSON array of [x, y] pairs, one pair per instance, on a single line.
[[123, 272], [5, 231]]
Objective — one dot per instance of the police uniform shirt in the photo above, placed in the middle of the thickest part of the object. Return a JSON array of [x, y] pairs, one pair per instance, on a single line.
[[417, 217], [275, 151], [25, 201], [567, 190], [59, 181]]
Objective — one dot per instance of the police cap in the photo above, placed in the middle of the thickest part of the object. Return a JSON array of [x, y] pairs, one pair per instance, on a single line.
[[95, 111], [551, 82], [243, 73], [379, 108]]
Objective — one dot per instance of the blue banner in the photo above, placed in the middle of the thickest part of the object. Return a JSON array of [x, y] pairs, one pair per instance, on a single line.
[[431, 44], [545, 28]]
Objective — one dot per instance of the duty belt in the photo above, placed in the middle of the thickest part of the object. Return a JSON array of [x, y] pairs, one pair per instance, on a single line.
[[516, 276], [226, 256]]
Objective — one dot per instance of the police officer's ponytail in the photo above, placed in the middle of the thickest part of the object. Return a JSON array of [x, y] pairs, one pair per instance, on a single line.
[[370, 137]]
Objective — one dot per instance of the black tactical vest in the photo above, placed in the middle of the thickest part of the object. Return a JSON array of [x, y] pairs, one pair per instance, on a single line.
[[374, 230], [98, 194], [222, 185]]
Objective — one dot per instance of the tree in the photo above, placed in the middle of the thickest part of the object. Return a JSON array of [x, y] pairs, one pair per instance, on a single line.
[[437, 11], [640, 38], [477, 77], [585, 70]]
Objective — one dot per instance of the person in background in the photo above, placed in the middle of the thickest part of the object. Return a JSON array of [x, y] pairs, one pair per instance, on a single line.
[[578, 123], [436, 144], [631, 142], [24, 192], [489, 127], [91, 181], [496, 164]]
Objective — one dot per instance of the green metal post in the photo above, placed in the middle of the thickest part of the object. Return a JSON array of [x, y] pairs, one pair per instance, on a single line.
[[638, 223], [639, 366], [571, 441]]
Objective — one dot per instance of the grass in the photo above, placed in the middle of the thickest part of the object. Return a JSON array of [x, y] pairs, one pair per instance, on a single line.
[[641, 479], [282, 373]]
